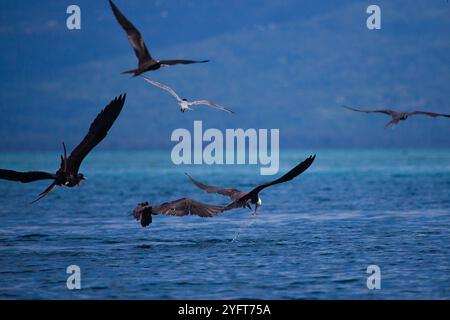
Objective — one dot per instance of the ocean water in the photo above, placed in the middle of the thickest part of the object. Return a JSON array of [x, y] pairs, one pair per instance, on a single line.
[[312, 239]]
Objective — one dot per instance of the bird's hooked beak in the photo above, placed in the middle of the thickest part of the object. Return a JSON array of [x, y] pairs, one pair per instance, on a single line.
[[82, 179], [257, 205]]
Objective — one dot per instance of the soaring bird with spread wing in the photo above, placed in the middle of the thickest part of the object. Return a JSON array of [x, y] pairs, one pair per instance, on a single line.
[[399, 116], [183, 103], [181, 207], [245, 199], [68, 175], [185, 206], [145, 60]]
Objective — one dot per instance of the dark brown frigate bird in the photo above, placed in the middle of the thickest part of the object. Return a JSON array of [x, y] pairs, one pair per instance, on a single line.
[[399, 116], [244, 199], [181, 207], [145, 60], [68, 175]]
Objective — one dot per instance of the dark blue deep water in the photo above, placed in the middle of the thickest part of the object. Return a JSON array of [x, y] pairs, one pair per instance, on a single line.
[[313, 237]]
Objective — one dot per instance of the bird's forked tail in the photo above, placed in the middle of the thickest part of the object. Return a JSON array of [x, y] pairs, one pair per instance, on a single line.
[[391, 123], [134, 72]]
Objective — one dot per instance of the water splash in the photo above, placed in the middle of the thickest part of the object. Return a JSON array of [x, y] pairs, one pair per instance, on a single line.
[[244, 226]]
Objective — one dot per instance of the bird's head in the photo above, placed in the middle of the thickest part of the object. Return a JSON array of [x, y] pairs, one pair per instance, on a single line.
[[143, 213], [257, 205], [80, 177]]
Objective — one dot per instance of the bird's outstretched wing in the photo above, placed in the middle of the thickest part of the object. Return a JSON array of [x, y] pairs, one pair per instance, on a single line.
[[211, 104], [228, 192], [385, 111], [162, 86], [186, 206], [97, 132], [143, 213], [25, 177], [300, 168], [181, 207], [431, 114], [174, 62], [134, 36]]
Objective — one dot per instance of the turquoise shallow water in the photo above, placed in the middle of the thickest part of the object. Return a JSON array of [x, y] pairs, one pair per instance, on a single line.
[[313, 237]]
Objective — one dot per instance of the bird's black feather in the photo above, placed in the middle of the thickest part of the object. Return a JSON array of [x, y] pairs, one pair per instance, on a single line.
[[299, 169], [25, 177], [97, 132]]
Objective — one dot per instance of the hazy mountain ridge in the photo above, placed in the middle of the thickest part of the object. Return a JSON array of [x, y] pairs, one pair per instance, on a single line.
[[292, 74]]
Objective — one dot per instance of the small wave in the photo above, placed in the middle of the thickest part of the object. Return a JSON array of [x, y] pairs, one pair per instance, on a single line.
[[144, 246], [348, 280], [33, 236]]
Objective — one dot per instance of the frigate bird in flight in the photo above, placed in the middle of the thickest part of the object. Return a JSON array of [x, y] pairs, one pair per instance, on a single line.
[[245, 199], [185, 104], [399, 116], [181, 207], [68, 175], [145, 61]]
